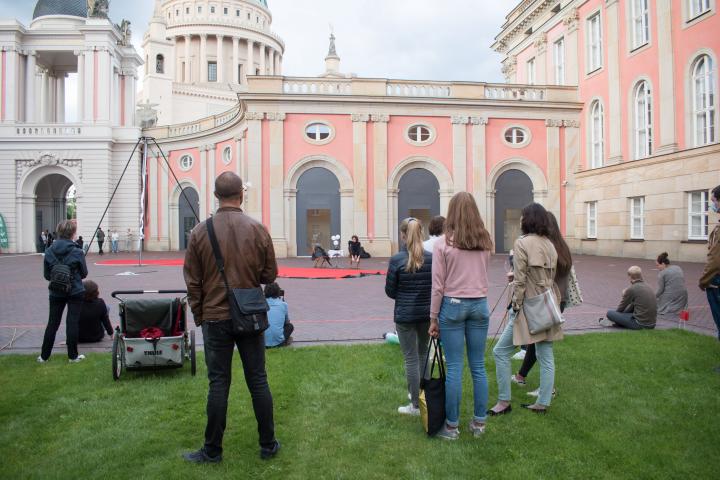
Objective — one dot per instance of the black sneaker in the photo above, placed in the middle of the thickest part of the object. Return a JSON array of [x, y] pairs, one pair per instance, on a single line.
[[201, 457], [268, 453]]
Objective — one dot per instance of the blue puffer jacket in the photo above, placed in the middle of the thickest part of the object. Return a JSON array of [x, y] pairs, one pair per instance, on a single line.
[[73, 257], [411, 291]]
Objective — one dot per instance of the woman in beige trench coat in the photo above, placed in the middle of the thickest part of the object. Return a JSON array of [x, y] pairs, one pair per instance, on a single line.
[[534, 264]]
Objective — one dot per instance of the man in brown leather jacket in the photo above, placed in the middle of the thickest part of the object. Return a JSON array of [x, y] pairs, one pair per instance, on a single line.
[[249, 258], [710, 279]]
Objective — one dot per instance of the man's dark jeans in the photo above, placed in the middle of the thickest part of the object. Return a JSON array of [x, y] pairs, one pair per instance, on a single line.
[[100, 245], [219, 346], [57, 305], [713, 295], [626, 320]]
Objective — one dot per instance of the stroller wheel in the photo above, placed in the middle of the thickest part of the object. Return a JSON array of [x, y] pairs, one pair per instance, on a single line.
[[116, 357], [193, 362]]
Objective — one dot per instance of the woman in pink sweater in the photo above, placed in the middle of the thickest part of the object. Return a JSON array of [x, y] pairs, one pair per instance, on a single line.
[[459, 311]]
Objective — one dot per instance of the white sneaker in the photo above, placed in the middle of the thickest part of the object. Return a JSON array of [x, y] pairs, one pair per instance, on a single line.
[[448, 433], [409, 410], [604, 322], [78, 359], [519, 355], [536, 393], [40, 360], [516, 379]]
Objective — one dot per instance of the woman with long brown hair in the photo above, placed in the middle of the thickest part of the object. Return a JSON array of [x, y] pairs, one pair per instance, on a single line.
[[408, 282], [459, 311]]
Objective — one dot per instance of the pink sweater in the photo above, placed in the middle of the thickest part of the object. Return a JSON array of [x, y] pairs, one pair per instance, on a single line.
[[457, 273]]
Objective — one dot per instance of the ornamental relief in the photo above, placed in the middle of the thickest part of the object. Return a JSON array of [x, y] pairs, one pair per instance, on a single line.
[[47, 159]]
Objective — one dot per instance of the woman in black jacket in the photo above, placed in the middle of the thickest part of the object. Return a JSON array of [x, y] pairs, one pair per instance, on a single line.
[[94, 319], [409, 282]]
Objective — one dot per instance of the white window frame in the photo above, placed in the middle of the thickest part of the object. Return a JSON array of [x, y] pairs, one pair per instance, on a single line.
[[559, 60], [210, 72], [530, 66], [702, 214], [412, 130], [640, 23], [227, 155], [526, 132], [639, 219], [591, 223], [316, 141], [642, 120], [704, 103], [697, 8], [597, 134], [594, 42], [186, 166]]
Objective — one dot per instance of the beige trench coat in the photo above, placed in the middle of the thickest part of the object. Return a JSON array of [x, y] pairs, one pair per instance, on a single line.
[[534, 264]]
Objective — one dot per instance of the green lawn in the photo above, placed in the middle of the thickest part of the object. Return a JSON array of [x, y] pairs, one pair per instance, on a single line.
[[629, 405]]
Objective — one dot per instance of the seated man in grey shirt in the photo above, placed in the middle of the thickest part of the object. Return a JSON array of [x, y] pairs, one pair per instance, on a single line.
[[638, 307]]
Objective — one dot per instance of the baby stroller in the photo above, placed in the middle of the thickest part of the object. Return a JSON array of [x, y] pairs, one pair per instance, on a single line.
[[152, 333], [320, 257]]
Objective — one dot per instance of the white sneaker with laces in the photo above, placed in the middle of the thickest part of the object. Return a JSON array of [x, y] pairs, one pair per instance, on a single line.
[[536, 393], [604, 322], [516, 379], [409, 410], [40, 360], [77, 359], [519, 355]]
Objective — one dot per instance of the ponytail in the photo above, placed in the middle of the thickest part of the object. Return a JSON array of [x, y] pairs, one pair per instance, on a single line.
[[412, 229]]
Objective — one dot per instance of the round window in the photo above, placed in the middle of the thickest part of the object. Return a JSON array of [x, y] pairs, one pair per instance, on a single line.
[[515, 135], [419, 133], [317, 132], [227, 155], [186, 162]]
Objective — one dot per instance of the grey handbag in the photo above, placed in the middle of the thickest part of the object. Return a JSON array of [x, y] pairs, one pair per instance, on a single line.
[[541, 312]]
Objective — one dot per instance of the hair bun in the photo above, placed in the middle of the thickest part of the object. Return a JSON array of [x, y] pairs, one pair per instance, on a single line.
[[663, 258]]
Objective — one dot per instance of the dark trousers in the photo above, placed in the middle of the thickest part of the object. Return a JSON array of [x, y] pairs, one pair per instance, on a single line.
[[100, 244], [219, 346], [713, 295], [288, 329], [625, 320], [57, 306]]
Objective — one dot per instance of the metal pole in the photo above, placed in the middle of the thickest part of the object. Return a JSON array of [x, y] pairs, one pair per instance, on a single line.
[[143, 183]]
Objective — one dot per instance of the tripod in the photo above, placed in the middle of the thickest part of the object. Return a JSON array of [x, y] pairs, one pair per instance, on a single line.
[[143, 143]]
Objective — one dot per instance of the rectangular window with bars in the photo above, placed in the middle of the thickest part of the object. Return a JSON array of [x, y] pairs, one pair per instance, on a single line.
[[698, 215], [591, 219], [212, 71], [637, 218]]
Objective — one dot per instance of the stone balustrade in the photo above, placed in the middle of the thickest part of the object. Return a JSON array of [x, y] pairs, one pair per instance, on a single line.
[[318, 87], [515, 92], [48, 130], [414, 89], [192, 128]]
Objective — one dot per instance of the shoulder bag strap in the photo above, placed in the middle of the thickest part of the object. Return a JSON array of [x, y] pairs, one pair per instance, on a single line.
[[216, 251]]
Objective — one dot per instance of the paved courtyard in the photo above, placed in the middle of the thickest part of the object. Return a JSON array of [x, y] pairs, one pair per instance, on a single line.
[[346, 310]]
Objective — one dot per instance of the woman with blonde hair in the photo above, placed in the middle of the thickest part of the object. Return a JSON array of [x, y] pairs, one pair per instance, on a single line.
[[459, 311], [408, 282]]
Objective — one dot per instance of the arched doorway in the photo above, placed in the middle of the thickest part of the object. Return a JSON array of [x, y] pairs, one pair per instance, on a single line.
[[54, 202], [513, 191], [188, 207], [317, 209], [418, 196]]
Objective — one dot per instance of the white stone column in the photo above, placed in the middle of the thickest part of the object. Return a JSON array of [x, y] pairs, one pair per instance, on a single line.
[[553, 166], [42, 109], [130, 95], [238, 155], [459, 136], [277, 63], [10, 89], [290, 221], [666, 98], [60, 109], [614, 93], [271, 60], [203, 58], [153, 200], [277, 187], [479, 161], [572, 59], [30, 71], [236, 59], [203, 183], [253, 202], [360, 174], [164, 200], [210, 184], [80, 100], [188, 75], [104, 87], [262, 59], [90, 86], [220, 60], [382, 242], [250, 68]]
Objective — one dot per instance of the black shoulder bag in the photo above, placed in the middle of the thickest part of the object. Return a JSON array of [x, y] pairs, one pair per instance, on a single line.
[[432, 390], [61, 277], [248, 307]]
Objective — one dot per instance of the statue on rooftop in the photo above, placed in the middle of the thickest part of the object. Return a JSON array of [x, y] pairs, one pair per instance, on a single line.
[[98, 8]]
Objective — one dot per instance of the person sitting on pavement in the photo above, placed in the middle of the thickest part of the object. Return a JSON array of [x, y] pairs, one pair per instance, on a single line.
[[638, 307], [672, 295], [94, 319], [280, 330]]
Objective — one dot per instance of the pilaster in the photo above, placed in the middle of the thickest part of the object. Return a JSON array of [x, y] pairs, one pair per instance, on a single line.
[[263, 67], [236, 59], [277, 187], [459, 172], [250, 70], [572, 165], [614, 93], [203, 183], [203, 58], [382, 243], [666, 78], [30, 75], [210, 185], [479, 160], [220, 60], [553, 166], [360, 173], [10, 86], [253, 202], [540, 44]]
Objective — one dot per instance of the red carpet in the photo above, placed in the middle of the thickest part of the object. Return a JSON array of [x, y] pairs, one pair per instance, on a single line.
[[284, 272]]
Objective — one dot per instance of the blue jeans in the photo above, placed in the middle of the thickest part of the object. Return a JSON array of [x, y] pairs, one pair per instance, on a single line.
[[713, 295], [503, 370], [464, 321], [114, 246]]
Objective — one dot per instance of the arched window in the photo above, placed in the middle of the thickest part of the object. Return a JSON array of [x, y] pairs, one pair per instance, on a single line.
[[703, 77], [159, 64], [643, 120], [597, 137]]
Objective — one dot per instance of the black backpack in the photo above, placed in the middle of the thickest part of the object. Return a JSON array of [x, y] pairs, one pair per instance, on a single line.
[[61, 278]]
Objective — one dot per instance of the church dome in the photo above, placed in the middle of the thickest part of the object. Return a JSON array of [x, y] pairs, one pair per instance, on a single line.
[[262, 2], [73, 8]]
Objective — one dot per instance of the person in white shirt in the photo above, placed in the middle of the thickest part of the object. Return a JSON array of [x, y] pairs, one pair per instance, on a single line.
[[437, 224], [114, 237]]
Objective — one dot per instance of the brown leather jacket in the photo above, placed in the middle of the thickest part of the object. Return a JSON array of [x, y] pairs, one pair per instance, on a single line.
[[249, 257], [712, 267]]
